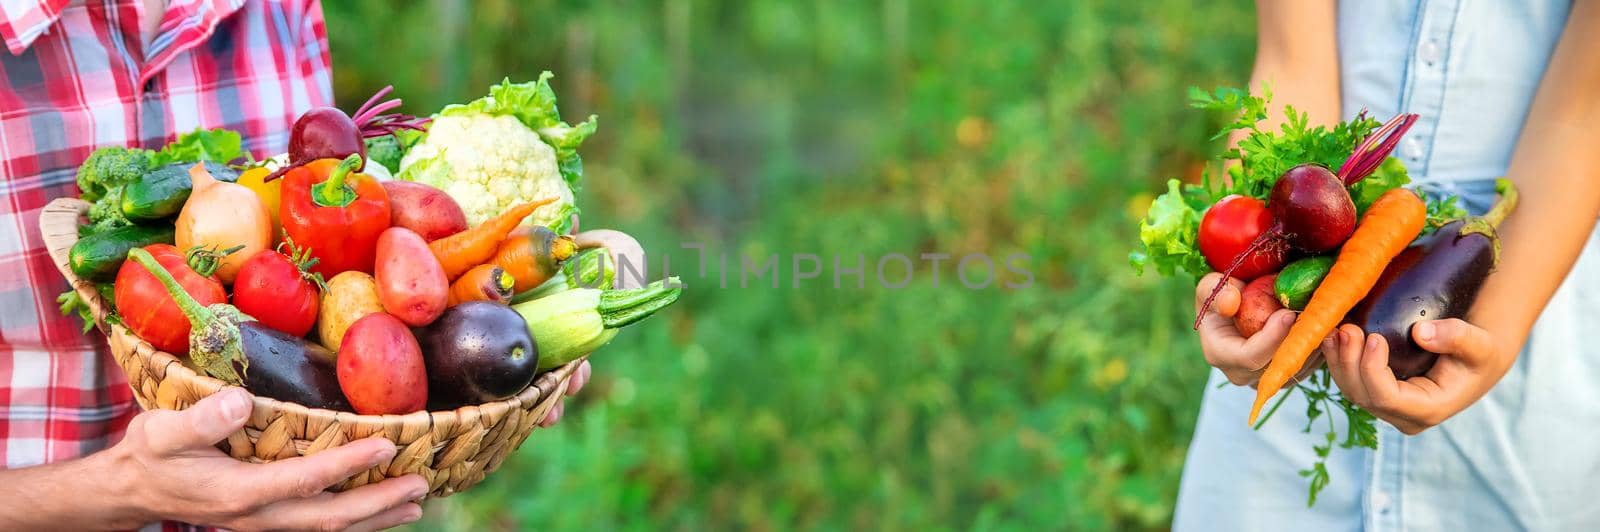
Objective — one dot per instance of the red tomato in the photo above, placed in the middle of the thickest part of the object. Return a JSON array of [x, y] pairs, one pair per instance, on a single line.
[[274, 290], [149, 311], [380, 367], [1227, 230]]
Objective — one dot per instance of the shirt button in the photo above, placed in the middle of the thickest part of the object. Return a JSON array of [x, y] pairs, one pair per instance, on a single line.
[[1413, 149], [1429, 52], [1380, 501]]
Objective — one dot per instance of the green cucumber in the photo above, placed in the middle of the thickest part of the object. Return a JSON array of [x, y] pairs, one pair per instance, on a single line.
[[1300, 279], [97, 257], [162, 192]]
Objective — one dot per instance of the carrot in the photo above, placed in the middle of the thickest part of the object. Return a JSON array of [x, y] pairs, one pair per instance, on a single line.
[[1391, 223], [484, 282], [461, 251], [532, 258]]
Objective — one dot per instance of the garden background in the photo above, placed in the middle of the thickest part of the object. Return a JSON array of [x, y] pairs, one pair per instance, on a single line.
[[840, 128]]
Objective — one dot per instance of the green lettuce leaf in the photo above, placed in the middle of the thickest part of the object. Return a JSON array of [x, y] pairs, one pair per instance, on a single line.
[[1169, 232], [534, 104], [216, 145]]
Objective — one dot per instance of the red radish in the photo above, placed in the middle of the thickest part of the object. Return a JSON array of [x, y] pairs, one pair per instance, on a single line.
[[328, 133], [1311, 207], [278, 290], [1229, 227]]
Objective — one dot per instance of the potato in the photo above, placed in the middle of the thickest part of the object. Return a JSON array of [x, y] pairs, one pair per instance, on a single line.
[[411, 283], [350, 296], [1256, 304], [428, 211]]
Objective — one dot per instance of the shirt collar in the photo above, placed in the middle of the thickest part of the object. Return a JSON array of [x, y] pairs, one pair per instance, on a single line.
[[22, 21]]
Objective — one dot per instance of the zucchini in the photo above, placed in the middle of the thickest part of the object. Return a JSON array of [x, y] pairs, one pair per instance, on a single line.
[[162, 192], [1300, 279], [573, 323], [97, 257]]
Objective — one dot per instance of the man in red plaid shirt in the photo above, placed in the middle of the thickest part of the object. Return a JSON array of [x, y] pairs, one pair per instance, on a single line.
[[89, 73]]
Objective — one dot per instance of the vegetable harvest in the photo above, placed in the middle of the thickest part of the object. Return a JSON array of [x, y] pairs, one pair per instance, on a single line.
[[350, 292], [1284, 221], [1388, 227]]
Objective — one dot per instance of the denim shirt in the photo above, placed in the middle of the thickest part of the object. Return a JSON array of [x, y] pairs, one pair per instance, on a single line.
[[1468, 67], [1526, 456]]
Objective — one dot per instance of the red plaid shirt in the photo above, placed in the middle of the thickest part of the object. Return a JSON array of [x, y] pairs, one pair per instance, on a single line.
[[78, 76]]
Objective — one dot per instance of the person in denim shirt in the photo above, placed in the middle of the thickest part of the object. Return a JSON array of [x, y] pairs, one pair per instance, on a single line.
[[1500, 434]]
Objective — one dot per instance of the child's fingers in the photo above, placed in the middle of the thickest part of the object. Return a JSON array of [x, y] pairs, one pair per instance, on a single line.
[[1455, 338], [1227, 301], [1384, 392], [1345, 364]]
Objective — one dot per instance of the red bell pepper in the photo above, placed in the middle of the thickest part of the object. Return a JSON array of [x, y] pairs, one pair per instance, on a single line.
[[335, 213]]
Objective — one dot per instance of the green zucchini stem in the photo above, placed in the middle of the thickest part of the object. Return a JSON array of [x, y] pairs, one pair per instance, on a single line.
[[620, 308]]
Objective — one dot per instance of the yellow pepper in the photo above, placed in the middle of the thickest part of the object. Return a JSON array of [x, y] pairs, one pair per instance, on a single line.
[[268, 191]]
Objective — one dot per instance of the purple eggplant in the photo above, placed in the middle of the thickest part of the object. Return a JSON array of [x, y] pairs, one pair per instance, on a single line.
[[1435, 278]]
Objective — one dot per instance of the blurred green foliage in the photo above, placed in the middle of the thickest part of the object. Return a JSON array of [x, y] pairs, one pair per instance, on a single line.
[[840, 128]]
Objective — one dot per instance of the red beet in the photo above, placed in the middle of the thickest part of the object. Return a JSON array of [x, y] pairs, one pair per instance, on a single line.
[[328, 133], [1312, 208], [324, 133]]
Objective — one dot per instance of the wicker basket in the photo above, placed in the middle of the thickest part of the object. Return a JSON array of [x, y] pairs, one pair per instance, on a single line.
[[453, 450]]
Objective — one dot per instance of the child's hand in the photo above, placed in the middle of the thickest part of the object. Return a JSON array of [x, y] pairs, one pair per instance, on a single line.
[[1468, 366], [1241, 359]]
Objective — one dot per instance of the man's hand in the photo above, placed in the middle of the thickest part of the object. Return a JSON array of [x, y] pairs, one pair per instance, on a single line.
[[579, 378], [167, 467], [1240, 359], [1469, 365]]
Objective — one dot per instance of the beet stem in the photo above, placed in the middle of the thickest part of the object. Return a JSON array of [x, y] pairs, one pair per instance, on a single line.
[[1372, 151], [1274, 234], [374, 99]]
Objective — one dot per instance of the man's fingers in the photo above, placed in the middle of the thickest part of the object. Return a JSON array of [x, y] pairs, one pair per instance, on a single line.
[[554, 415], [579, 378], [406, 513], [1453, 337], [369, 505], [1227, 302], [308, 476], [200, 426]]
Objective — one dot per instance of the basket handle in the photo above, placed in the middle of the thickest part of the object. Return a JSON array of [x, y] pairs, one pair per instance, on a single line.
[[58, 224]]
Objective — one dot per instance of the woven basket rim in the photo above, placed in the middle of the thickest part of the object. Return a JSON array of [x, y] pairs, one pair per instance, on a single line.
[[58, 224]]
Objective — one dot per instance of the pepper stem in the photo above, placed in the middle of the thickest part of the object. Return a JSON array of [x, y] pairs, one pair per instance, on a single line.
[[197, 313], [334, 192]]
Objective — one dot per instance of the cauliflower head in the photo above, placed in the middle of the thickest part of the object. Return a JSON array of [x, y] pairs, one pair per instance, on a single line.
[[508, 148]]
